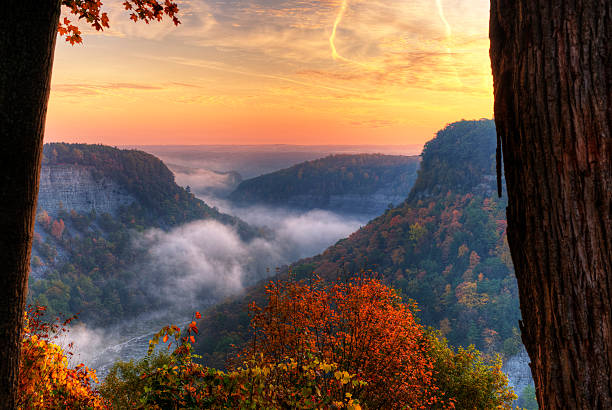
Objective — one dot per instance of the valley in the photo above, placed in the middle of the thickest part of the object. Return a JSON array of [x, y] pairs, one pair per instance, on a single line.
[[132, 244]]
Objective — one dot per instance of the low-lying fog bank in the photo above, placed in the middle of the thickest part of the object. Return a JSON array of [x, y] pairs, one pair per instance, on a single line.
[[200, 263]]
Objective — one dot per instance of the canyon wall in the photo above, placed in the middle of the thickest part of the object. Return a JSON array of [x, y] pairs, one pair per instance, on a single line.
[[71, 187]]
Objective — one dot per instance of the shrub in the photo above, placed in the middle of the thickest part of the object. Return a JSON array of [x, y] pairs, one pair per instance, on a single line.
[[46, 380], [362, 326]]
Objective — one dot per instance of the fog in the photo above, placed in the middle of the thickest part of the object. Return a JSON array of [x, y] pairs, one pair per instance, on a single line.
[[205, 261], [99, 348], [203, 181], [195, 265], [200, 263]]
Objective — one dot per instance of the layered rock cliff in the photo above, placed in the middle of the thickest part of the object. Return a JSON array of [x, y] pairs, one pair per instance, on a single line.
[[518, 371], [73, 187], [97, 201]]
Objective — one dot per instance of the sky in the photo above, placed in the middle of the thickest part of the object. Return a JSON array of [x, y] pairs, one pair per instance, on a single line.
[[275, 72]]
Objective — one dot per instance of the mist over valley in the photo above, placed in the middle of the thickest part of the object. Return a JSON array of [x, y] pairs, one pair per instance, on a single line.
[[92, 227], [132, 243]]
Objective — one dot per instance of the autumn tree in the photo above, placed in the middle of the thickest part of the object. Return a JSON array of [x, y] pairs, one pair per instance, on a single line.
[[28, 30], [364, 328], [47, 380], [552, 71], [317, 346], [360, 325], [57, 228]]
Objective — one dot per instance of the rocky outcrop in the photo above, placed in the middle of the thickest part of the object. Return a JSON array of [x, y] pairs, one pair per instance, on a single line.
[[73, 187], [518, 371]]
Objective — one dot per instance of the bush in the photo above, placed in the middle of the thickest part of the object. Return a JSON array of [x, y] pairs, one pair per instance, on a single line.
[[170, 381], [361, 325], [46, 381], [470, 379], [317, 345]]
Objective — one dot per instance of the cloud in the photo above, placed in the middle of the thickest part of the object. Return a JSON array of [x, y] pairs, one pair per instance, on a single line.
[[203, 258], [254, 61], [245, 72], [93, 89], [99, 348], [380, 41], [196, 265], [87, 343], [310, 233], [204, 261], [374, 123], [384, 44], [203, 181]]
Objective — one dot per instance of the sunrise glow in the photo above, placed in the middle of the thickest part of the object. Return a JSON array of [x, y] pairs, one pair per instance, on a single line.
[[283, 71]]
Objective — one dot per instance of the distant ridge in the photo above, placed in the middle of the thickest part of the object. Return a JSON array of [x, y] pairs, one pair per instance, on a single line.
[[362, 183]]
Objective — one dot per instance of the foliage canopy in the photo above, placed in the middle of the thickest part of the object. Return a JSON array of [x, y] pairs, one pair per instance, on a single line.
[[91, 12]]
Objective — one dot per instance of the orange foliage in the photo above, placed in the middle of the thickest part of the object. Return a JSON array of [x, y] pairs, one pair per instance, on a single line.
[[91, 12], [362, 326], [45, 379], [254, 384], [44, 218], [57, 228]]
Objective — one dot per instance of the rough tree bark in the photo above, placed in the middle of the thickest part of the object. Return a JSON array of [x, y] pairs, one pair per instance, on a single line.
[[552, 70], [27, 40]]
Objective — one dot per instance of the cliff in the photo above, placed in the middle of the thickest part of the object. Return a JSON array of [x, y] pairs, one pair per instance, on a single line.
[[94, 203], [518, 371], [84, 177], [460, 159], [73, 187]]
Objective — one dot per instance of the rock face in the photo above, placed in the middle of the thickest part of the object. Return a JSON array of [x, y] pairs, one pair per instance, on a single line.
[[71, 187], [518, 371]]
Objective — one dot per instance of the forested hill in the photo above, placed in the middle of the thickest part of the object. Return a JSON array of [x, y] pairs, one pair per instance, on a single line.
[[364, 183], [445, 248], [95, 204], [460, 159], [159, 201]]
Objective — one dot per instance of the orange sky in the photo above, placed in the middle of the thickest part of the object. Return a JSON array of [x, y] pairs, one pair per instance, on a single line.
[[265, 71]]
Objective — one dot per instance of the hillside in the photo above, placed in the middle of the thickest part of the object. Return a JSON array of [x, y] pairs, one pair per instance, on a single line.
[[158, 200], [94, 201], [459, 159], [445, 247], [364, 183]]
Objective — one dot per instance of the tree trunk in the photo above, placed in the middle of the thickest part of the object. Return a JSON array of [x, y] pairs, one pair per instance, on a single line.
[[27, 40], [552, 70]]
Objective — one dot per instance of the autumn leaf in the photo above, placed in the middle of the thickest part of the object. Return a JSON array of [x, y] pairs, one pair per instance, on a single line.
[[91, 12]]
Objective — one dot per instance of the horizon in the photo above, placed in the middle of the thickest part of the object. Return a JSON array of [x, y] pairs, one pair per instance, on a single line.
[[327, 149]]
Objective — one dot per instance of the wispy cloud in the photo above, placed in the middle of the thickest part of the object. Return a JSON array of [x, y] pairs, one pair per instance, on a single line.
[[91, 89], [381, 58]]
